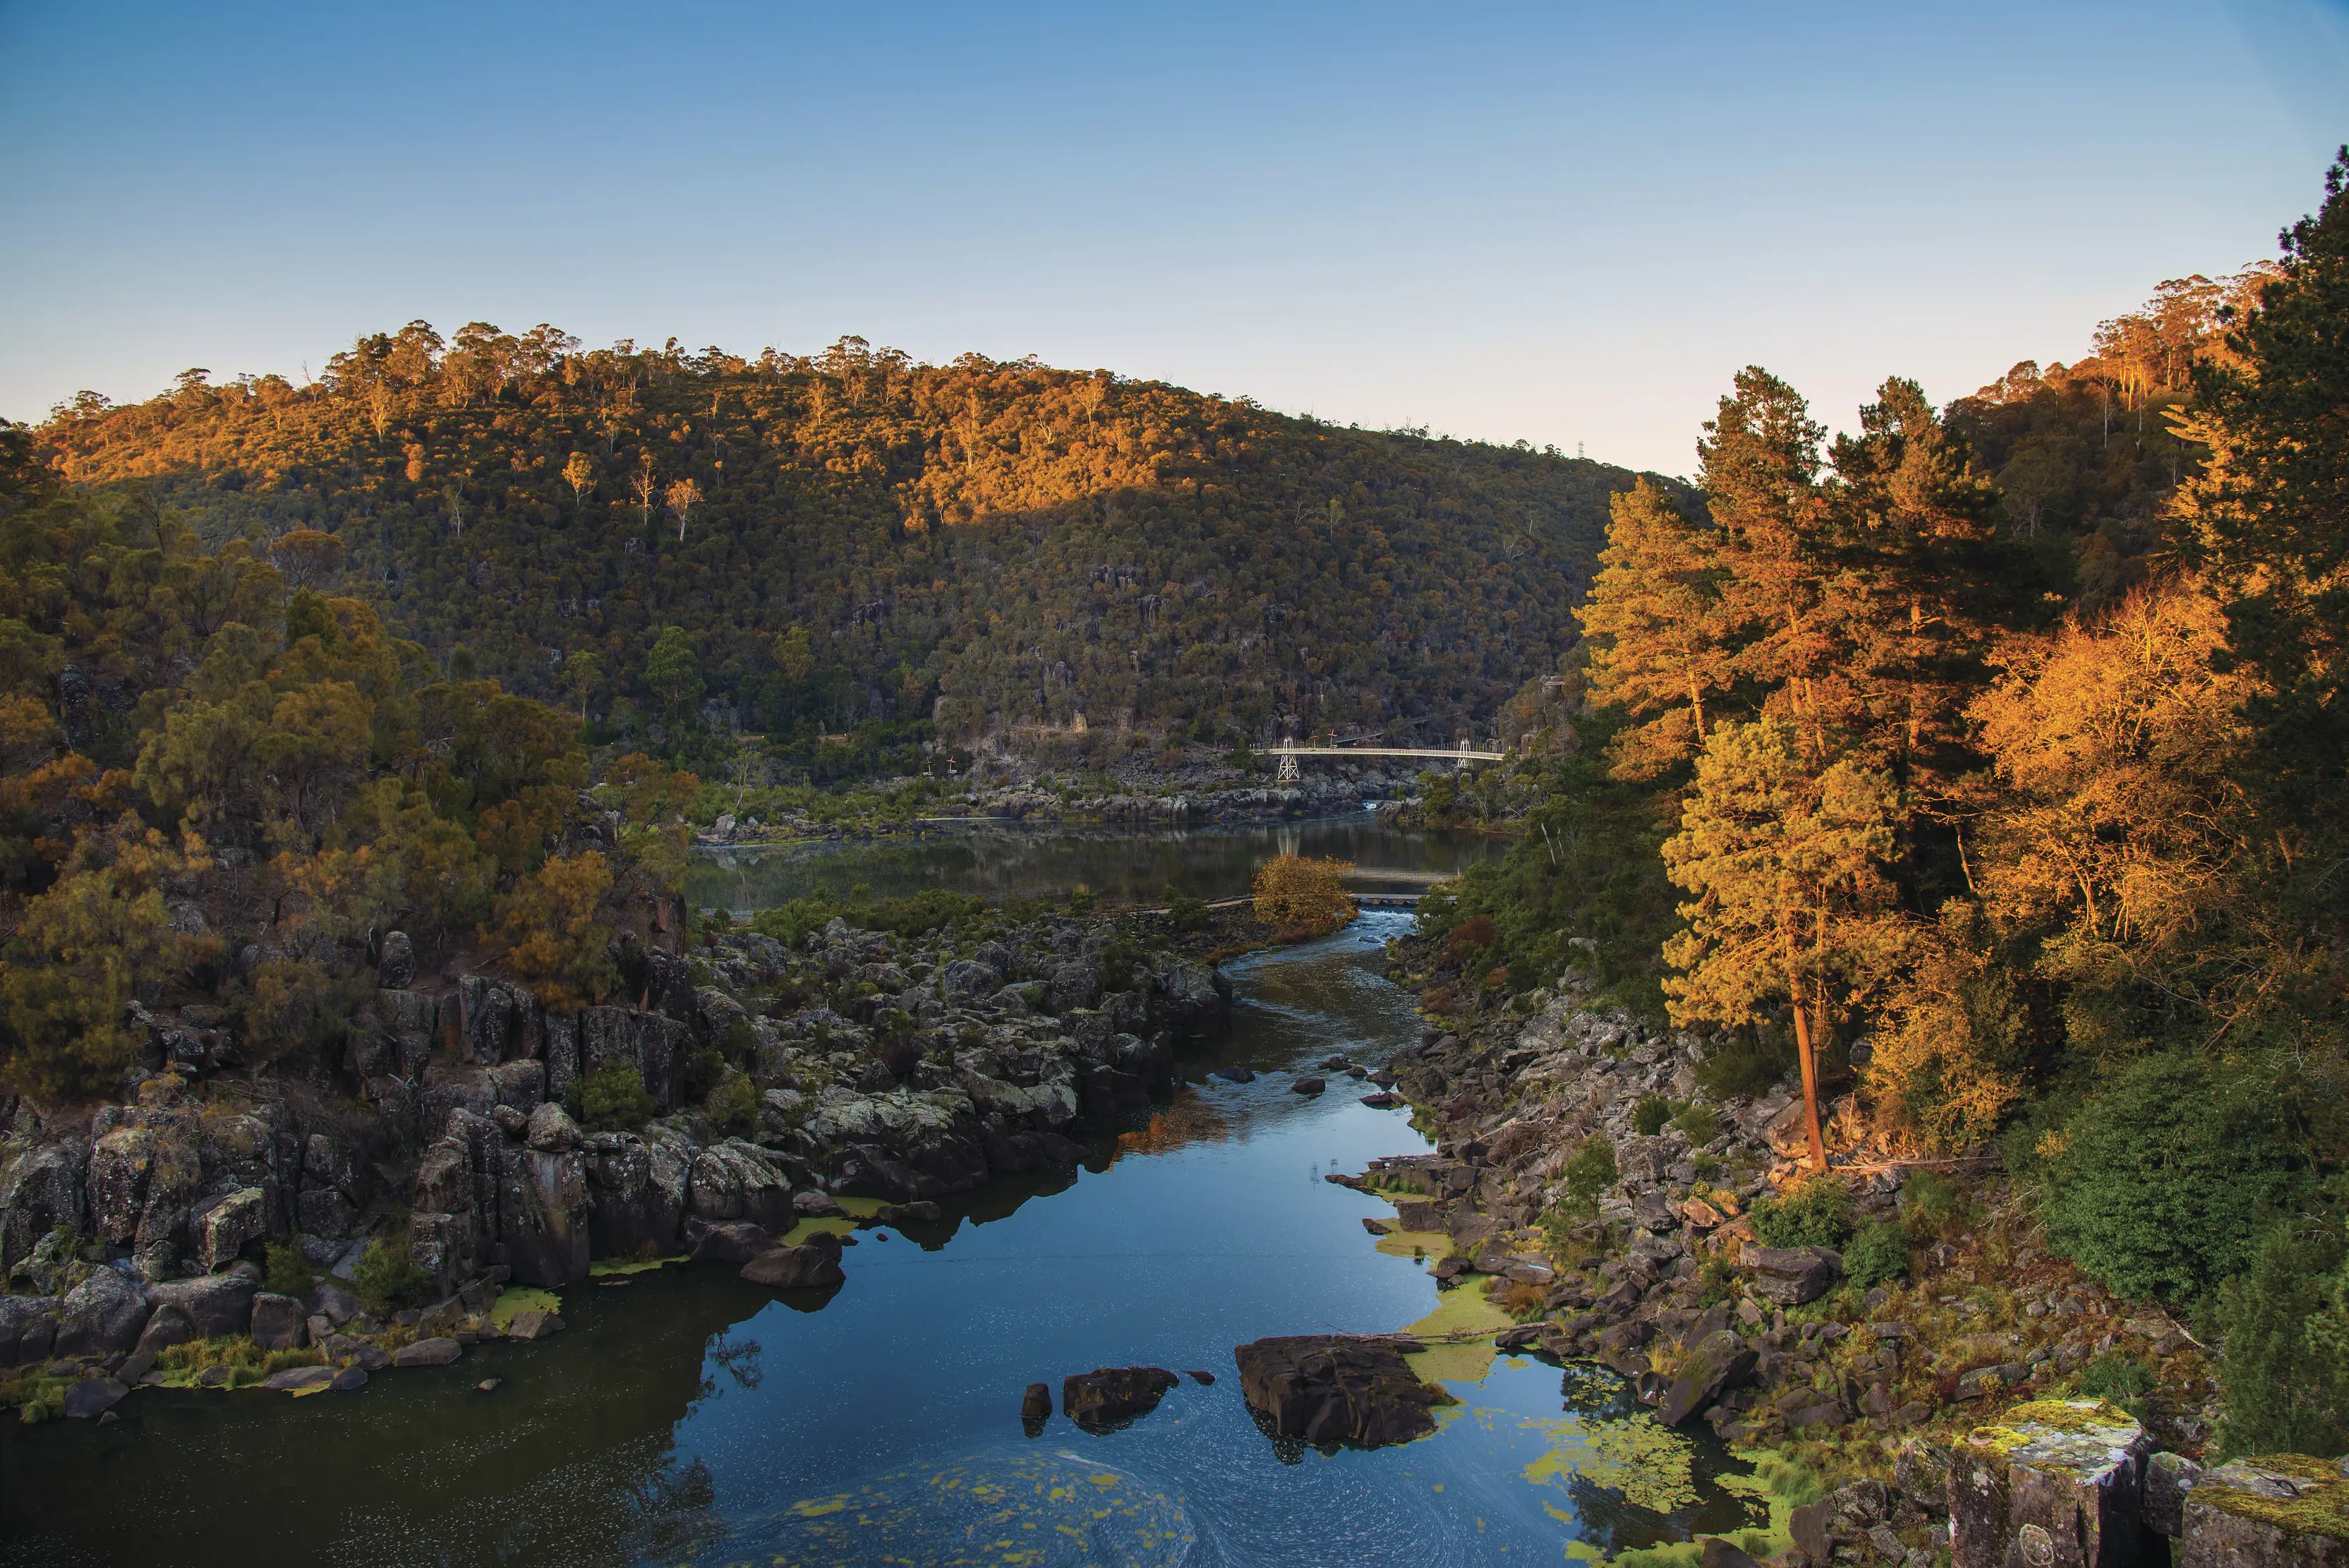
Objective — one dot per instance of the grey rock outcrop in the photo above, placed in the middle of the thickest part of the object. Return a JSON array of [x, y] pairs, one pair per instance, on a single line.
[[102, 1315]]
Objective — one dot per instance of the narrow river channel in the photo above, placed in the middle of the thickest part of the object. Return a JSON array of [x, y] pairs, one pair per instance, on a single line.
[[690, 1416]]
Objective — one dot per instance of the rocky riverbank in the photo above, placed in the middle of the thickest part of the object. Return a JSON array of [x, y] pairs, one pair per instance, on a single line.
[[1192, 799], [1877, 1393], [763, 1092]]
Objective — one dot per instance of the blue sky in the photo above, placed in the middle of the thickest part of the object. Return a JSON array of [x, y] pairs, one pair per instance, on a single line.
[[1567, 223]]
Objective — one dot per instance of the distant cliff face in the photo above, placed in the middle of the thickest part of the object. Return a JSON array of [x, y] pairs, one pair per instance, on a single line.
[[853, 537]]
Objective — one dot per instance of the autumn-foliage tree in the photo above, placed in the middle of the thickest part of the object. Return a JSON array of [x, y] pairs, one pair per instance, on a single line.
[[552, 935], [1792, 907], [1300, 896], [1657, 648]]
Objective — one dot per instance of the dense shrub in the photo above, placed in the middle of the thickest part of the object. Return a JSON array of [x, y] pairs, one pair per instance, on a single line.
[[2285, 1369], [614, 1100], [2157, 1185], [1590, 1172], [1932, 1204], [2126, 1382], [1648, 1116], [704, 1071], [1812, 1213], [733, 1104], [1187, 913], [288, 1274], [1743, 1064], [387, 1279], [1878, 1253], [1698, 1124], [914, 916]]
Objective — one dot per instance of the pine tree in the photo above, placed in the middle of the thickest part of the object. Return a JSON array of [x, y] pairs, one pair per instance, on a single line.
[[1653, 622], [1786, 859], [2270, 520]]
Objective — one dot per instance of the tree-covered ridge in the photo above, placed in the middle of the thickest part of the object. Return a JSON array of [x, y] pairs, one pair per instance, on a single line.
[[854, 535]]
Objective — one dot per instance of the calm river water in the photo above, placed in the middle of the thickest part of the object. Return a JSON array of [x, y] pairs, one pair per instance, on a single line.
[[690, 1416]]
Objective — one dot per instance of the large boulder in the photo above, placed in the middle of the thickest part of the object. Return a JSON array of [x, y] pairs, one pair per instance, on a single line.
[[439, 1351], [1718, 1365], [1338, 1388], [278, 1322], [1844, 1517], [212, 1304], [735, 1180], [966, 980], [1108, 1397], [227, 1227], [636, 1193], [102, 1315], [40, 1192], [2055, 1483], [1072, 985], [94, 1396], [1793, 1275], [805, 1268], [29, 1327], [2284, 1511], [729, 1241]]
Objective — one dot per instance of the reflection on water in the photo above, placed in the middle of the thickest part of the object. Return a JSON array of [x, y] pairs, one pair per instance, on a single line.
[[688, 1415], [1005, 860]]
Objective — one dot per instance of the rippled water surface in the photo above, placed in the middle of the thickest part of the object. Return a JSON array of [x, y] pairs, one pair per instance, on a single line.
[[691, 1416]]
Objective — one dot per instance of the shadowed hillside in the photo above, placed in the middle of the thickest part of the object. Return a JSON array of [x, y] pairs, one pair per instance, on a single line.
[[853, 537]]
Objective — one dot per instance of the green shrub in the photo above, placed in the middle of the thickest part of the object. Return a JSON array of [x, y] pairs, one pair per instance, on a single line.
[[1812, 1213], [289, 1274], [1698, 1124], [1648, 1119], [1932, 1204], [1879, 1253], [2285, 1371], [1743, 1064], [704, 1073], [2124, 1381], [2158, 1185], [1188, 914], [1591, 1171], [733, 1106], [614, 1100], [387, 1279], [915, 916]]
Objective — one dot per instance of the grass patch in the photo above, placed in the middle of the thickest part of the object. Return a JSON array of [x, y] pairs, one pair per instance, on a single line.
[[516, 1300], [604, 1267], [1412, 1243], [1460, 1311], [243, 1362]]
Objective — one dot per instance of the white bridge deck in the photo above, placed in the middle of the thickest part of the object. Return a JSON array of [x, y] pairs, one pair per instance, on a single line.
[[1460, 754]]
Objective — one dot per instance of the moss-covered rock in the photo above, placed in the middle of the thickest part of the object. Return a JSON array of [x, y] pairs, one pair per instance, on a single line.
[[2285, 1510], [2056, 1483]]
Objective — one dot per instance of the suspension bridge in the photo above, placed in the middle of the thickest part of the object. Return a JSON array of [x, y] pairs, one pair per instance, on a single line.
[[1462, 754]]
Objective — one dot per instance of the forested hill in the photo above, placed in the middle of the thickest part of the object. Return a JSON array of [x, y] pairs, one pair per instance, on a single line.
[[854, 535]]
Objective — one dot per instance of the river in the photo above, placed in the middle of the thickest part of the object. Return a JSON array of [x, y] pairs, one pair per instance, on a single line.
[[688, 1415]]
